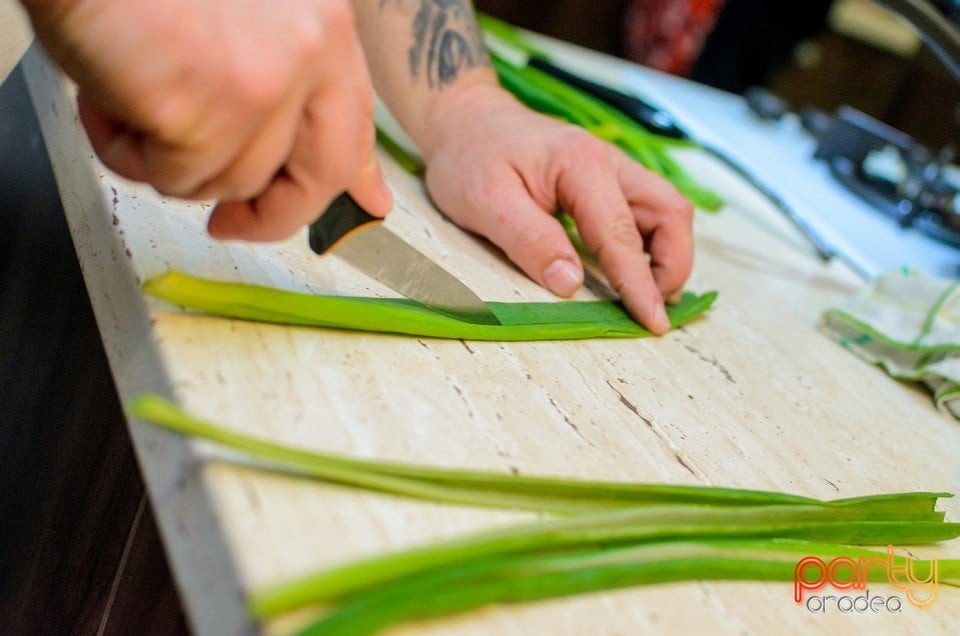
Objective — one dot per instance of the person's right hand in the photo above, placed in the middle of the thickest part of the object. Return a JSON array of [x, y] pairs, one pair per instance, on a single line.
[[266, 106]]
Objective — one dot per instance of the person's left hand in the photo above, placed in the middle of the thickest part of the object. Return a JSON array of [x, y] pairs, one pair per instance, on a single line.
[[501, 170]]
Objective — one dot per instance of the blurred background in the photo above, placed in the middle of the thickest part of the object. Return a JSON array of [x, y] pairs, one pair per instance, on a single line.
[[820, 53]]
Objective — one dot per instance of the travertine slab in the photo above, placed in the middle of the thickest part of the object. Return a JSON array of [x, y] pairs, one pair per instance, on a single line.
[[751, 396]]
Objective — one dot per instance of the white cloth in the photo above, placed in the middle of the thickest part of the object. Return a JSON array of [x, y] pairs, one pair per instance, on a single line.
[[908, 324]]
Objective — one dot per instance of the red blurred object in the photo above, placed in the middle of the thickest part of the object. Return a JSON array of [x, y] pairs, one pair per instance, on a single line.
[[668, 35]]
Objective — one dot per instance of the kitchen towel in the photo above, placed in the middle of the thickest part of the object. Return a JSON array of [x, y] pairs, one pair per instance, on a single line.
[[907, 323]]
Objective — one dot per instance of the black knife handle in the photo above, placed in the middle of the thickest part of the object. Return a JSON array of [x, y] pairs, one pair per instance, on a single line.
[[341, 217], [654, 119]]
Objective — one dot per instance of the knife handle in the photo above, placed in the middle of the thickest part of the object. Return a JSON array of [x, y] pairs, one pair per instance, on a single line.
[[656, 120], [342, 216]]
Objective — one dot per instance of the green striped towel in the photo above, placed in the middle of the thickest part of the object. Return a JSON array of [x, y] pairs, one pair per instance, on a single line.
[[908, 324]]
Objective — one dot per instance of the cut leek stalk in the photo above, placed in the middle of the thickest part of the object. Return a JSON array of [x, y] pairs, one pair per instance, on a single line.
[[520, 321], [613, 535], [604, 530], [559, 496], [527, 577]]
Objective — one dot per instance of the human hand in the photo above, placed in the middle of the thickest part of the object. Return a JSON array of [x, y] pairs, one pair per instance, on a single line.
[[266, 106], [501, 170]]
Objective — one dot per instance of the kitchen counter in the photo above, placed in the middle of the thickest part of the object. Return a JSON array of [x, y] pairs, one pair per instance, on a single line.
[[750, 396]]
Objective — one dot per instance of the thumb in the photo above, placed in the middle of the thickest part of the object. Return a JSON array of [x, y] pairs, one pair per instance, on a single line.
[[370, 190]]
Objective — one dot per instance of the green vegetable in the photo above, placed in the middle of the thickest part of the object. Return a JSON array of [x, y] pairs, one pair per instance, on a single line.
[[605, 530], [551, 96], [529, 577], [559, 496], [509, 34], [613, 535], [520, 321], [410, 163]]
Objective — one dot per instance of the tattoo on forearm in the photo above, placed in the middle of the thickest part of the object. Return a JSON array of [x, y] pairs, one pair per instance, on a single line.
[[446, 41]]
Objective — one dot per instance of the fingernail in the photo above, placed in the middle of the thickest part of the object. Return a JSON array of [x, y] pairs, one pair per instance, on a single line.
[[661, 318], [562, 277], [387, 195]]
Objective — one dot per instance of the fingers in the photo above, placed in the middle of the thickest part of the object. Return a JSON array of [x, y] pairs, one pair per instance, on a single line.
[[119, 149], [665, 218], [177, 168], [370, 190], [332, 151], [590, 190], [254, 165], [274, 123], [530, 237], [299, 193], [324, 161], [368, 187]]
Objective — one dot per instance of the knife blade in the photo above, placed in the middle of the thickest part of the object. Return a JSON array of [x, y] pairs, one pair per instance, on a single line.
[[349, 232]]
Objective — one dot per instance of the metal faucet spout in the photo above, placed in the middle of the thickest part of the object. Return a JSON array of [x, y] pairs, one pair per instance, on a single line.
[[941, 34]]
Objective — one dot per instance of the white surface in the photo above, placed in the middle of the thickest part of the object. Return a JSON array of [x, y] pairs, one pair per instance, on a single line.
[[781, 156]]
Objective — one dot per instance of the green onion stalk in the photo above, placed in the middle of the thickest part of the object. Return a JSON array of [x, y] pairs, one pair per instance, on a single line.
[[555, 98], [519, 321], [535, 576], [594, 536], [551, 96]]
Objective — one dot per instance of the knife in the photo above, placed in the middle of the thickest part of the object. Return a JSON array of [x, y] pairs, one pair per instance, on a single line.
[[349, 232]]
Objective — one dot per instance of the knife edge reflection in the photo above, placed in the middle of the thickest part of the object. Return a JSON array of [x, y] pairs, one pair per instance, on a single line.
[[385, 257]]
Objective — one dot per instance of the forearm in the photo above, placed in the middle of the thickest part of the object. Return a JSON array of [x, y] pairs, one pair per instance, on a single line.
[[424, 55], [501, 170]]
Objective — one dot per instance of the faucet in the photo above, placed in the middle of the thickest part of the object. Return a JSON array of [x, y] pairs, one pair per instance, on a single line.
[[938, 22]]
